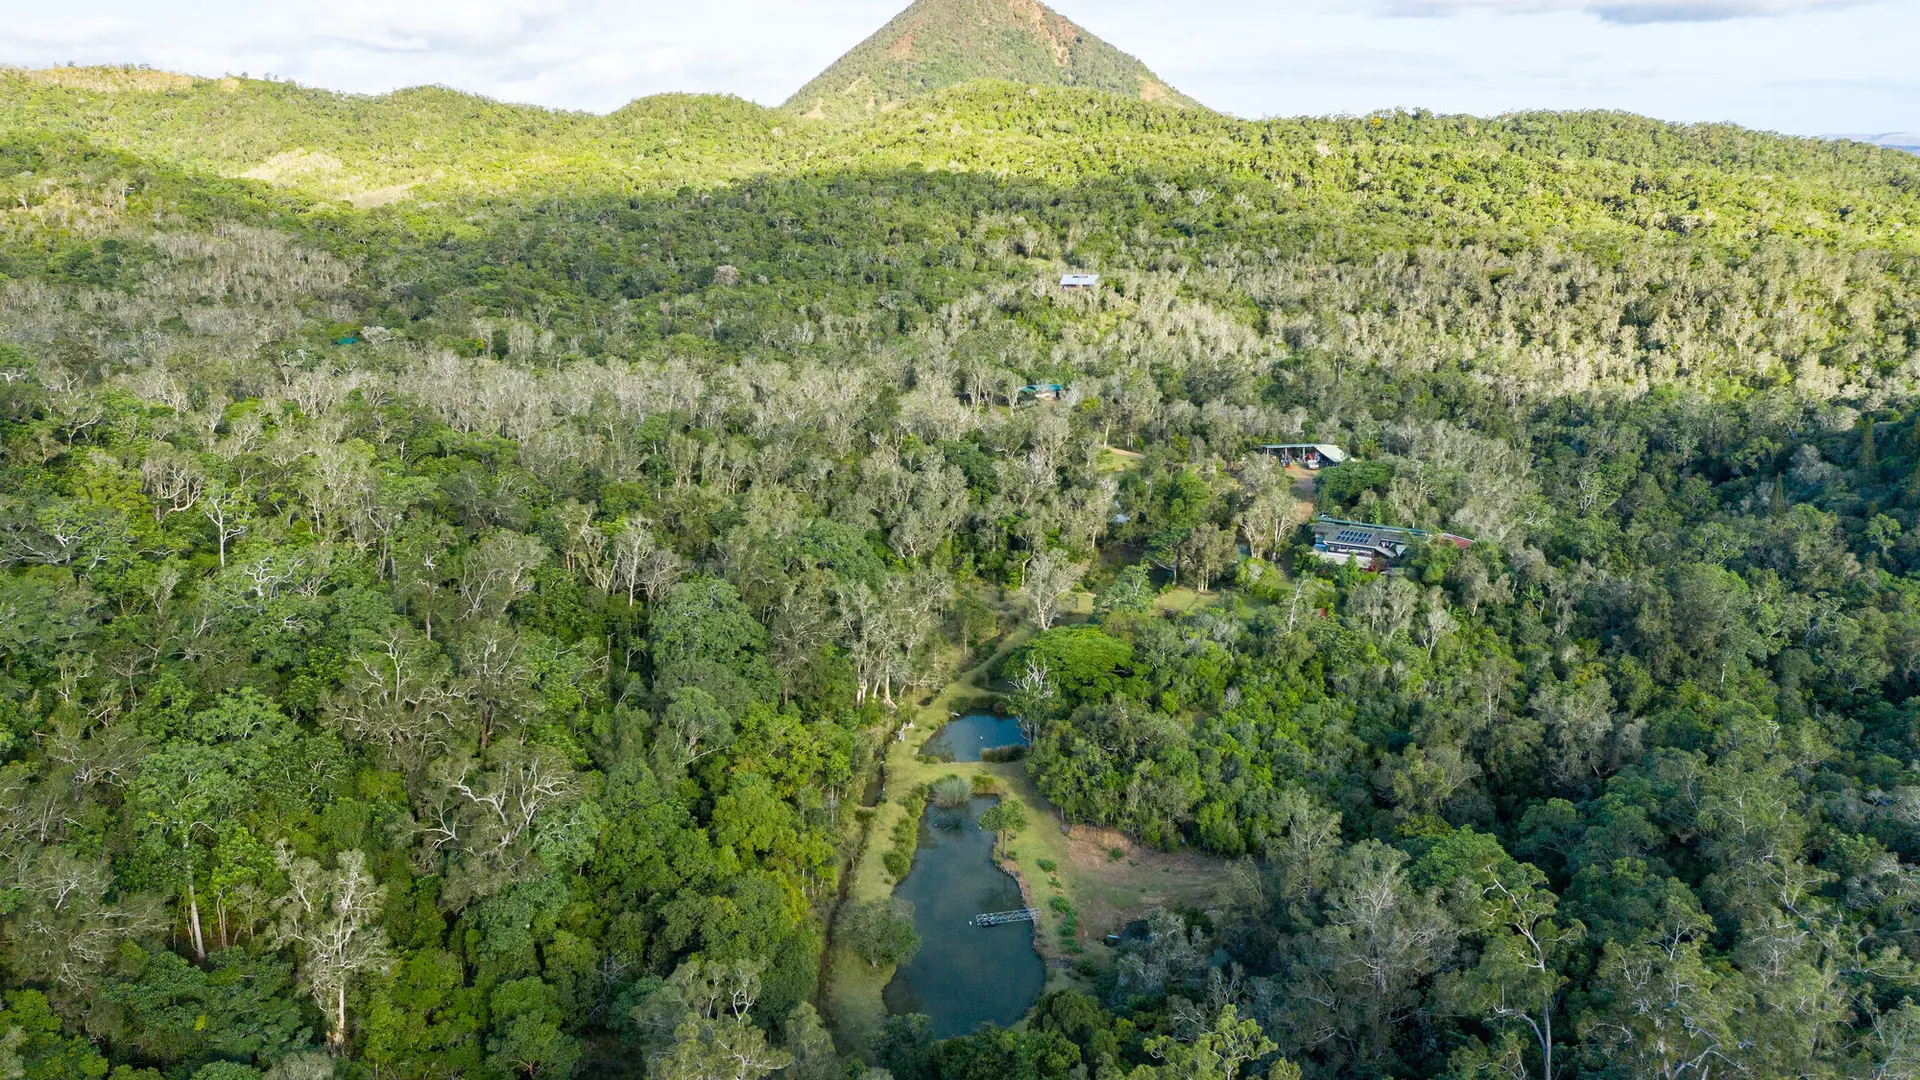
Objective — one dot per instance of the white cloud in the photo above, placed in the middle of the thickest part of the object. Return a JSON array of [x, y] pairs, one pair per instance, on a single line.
[[1622, 11], [1797, 71], [432, 26]]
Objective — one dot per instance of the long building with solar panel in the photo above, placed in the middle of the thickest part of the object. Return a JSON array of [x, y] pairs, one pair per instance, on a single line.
[[1376, 547]]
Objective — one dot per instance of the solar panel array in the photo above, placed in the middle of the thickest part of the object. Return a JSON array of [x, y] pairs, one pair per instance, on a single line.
[[1350, 536]]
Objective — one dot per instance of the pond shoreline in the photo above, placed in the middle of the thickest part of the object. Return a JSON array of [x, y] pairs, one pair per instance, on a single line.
[[1044, 946], [965, 973]]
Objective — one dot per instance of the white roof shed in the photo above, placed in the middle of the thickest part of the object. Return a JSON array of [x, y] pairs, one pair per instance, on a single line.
[[1332, 455]]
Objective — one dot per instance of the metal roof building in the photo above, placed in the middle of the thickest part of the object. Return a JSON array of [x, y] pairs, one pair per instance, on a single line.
[[1379, 545], [1079, 281], [1312, 455]]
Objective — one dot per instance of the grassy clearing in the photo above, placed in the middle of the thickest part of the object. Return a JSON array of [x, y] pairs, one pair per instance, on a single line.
[[1182, 600], [1104, 891], [851, 1000], [1118, 460]]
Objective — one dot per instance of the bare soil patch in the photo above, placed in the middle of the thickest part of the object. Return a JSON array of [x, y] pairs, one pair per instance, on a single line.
[[1305, 484], [1114, 892]]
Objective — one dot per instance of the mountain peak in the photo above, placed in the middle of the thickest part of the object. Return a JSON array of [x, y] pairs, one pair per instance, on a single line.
[[939, 43]]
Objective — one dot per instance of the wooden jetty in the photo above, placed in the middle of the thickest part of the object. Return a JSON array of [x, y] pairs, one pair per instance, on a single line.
[[996, 918]]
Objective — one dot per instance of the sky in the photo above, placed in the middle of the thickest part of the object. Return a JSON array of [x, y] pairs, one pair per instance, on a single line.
[[1805, 67]]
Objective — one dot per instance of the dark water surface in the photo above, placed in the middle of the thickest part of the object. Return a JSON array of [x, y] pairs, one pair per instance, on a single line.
[[963, 739], [964, 974]]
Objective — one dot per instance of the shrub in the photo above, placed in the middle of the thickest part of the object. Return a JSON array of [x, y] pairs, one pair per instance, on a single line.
[[906, 836], [1069, 929], [951, 792]]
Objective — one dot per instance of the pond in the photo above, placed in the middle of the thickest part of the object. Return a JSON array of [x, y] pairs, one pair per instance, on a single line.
[[964, 738], [964, 974]]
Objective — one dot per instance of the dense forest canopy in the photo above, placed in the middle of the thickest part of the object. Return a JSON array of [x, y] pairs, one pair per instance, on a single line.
[[464, 563]]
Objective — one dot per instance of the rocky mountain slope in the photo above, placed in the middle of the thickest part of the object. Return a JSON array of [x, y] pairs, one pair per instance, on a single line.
[[940, 43]]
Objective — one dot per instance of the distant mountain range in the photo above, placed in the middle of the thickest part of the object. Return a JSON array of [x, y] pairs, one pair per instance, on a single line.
[[1896, 140], [936, 44]]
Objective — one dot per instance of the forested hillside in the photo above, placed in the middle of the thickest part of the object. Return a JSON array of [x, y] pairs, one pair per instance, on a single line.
[[462, 563]]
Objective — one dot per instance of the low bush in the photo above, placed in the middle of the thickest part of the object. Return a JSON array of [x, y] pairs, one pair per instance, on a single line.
[[951, 792]]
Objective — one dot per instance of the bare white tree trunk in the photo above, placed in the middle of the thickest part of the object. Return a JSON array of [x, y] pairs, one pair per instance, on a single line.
[[1048, 580]]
